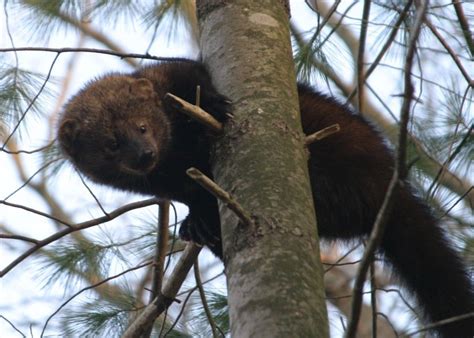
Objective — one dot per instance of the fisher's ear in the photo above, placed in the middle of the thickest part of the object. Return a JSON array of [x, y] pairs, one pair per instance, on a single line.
[[142, 88], [67, 135]]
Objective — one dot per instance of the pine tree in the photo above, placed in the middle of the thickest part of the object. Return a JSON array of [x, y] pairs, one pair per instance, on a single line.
[[98, 280]]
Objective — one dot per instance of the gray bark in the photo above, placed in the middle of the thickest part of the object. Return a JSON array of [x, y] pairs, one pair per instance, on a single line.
[[273, 268]]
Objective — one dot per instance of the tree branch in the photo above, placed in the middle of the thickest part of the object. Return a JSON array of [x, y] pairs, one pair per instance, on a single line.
[[451, 52], [73, 228], [122, 55], [221, 194], [195, 112], [464, 23], [399, 175], [361, 56], [449, 179], [167, 295], [202, 295], [162, 237], [92, 286], [321, 134]]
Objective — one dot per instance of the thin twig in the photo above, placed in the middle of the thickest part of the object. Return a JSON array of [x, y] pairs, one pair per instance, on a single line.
[[180, 314], [73, 228], [34, 211], [451, 52], [450, 180], [91, 287], [202, 295], [373, 299], [361, 56], [440, 323], [464, 23], [168, 294], [20, 238], [449, 160], [162, 237], [92, 50], [84, 183], [468, 191], [221, 194], [337, 262], [43, 86], [37, 150], [194, 112], [399, 174], [390, 39], [323, 133], [373, 243], [12, 325], [29, 179], [189, 292], [389, 322]]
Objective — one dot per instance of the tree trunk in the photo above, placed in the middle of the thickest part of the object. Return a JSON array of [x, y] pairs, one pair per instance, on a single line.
[[273, 268]]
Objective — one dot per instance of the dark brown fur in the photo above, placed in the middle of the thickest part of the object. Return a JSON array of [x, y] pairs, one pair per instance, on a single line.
[[119, 132]]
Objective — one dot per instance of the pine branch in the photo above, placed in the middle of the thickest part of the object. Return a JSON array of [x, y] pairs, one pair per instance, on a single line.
[[202, 295], [92, 286], [361, 56], [167, 295], [120, 54], [399, 175], [72, 228], [464, 23], [450, 180], [451, 52]]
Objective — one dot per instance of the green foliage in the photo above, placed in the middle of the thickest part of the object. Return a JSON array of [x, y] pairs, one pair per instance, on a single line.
[[20, 94], [99, 318], [44, 18], [83, 258], [442, 122], [52, 154], [173, 17], [219, 309], [144, 244]]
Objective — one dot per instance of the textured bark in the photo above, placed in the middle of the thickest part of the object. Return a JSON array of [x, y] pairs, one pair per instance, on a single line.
[[273, 271]]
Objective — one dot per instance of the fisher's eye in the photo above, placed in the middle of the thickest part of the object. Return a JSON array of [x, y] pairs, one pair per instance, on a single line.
[[142, 129]]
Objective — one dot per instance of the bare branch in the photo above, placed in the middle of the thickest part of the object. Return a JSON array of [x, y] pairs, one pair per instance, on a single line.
[[12, 325], [221, 194], [440, 323], [91, 287], [464, 23], [449, 179], [20, 238], [46, 80], [122, 55], [202, 295], [34, 211], [162, 239], [399, 174], [37, 150], [168, 294], [451, 52], [361, 56], [321, 134], [391, 37], [194, 112], [160, 254], [73, 228]]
